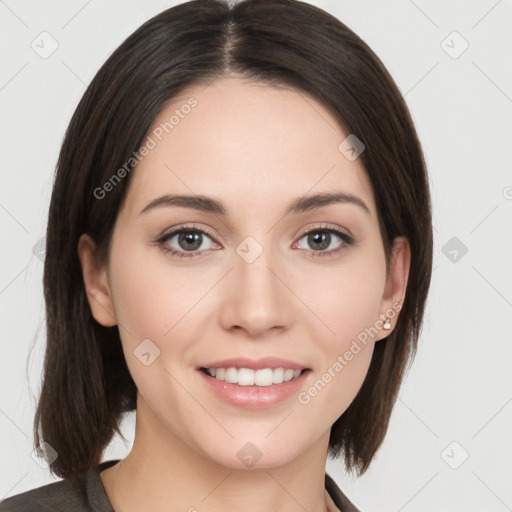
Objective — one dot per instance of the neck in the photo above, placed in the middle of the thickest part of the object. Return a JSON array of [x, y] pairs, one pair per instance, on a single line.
[[163, 473]]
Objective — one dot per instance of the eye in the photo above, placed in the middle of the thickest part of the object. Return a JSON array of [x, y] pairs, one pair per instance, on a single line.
[[322, 238], [188, 242]]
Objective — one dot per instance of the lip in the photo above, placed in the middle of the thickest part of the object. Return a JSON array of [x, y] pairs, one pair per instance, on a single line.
[[255, 364], [254, 397]]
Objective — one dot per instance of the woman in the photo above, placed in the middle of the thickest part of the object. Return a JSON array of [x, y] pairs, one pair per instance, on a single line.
[[239, 249]]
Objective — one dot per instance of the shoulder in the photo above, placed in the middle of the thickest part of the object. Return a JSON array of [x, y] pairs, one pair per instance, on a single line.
[[82, 493], [59, 496], [339, 499]]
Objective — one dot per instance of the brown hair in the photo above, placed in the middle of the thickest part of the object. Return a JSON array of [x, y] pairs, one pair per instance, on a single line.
[[86, 383]]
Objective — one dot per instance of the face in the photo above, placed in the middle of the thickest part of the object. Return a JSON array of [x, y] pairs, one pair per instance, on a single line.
[[191, 285]]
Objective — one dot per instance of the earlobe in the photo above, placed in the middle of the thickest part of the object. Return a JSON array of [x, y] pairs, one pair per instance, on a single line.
[[96, 283], [396, 285]]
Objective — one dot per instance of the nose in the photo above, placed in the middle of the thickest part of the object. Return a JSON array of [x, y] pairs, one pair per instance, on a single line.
[[255, 296]]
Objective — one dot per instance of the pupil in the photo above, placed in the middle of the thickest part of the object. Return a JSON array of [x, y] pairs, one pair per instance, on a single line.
[[190, 238], [317, 239]]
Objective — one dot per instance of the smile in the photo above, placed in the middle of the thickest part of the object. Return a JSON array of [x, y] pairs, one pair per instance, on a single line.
[[250, 377], [254, 383]]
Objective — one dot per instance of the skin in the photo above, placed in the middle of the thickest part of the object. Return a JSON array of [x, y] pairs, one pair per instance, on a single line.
[[254, 147]]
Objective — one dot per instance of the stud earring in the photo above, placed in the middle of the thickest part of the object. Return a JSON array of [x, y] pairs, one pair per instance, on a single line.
[[387, 325]]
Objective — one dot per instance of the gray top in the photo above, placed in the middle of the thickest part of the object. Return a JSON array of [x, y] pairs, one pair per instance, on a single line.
[[63, 496]]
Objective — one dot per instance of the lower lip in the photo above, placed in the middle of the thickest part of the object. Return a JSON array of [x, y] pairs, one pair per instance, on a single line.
[[254, 397]]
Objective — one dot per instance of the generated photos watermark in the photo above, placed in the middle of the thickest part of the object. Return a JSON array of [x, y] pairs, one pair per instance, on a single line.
[[304, 397], [151, 142]]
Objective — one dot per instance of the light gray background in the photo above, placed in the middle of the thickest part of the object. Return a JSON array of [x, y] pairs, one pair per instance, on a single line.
[[459, 388]]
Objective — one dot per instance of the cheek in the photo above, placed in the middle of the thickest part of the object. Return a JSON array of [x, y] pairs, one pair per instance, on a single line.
[[333, 390], [156, 302], [346, 300], [346, 356], [348, 303], [149, 296], [150, 306]]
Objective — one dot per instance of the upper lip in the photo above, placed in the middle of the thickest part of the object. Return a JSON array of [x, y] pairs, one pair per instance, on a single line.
[[255, 364]]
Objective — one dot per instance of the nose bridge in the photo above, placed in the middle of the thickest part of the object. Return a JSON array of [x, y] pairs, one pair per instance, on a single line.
[[253, 261], [257, 297]]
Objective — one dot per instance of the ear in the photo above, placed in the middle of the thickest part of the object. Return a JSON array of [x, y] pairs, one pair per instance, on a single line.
[[96, 283], [396, 285]]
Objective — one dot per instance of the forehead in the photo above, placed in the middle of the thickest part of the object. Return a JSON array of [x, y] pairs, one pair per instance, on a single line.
[[251, 144]]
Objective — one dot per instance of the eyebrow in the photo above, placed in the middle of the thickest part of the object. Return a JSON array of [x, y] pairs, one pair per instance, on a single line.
[[299, 205]]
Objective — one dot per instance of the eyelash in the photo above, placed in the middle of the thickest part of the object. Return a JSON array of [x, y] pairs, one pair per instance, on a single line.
[[347, 240]]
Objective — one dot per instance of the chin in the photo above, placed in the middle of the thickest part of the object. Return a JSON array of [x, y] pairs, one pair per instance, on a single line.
[[258, 453]]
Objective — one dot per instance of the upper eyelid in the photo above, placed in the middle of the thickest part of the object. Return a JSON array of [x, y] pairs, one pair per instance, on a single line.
[[186, 227], [337, 230]]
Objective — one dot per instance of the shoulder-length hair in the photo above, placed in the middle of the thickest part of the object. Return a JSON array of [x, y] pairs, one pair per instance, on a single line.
[[86, 383]]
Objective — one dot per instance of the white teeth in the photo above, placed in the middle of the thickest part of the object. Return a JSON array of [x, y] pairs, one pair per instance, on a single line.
[[231, 375], [288, 375], [277, 375], [263, 377], [245, 377], [249, 377]]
